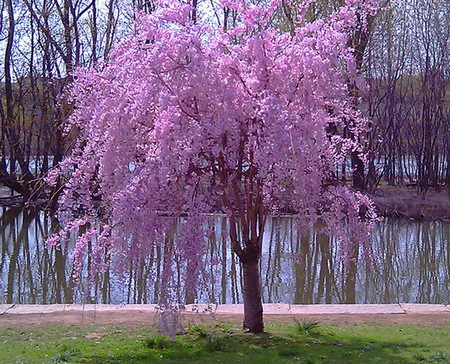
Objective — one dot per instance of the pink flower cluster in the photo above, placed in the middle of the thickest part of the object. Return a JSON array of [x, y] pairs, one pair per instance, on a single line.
[[188, 119]]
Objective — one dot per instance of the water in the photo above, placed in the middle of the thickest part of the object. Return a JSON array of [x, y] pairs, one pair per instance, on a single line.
[[412, 263]]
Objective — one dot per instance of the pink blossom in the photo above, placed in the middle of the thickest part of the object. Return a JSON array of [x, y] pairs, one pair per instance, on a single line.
[[52, 177]]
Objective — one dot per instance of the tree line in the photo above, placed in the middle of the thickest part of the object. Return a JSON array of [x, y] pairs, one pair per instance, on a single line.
[[402, 54], [407, 69]]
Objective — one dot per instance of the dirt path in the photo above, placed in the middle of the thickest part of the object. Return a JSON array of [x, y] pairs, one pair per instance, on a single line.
[[133, 318]]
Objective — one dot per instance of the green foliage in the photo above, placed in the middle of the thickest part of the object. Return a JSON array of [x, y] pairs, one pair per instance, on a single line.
[[158, 342], [198, 329], [214, 343], [66, 355], [306, 326]]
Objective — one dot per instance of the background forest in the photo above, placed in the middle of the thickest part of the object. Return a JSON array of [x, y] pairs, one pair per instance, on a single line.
[[403, 56]]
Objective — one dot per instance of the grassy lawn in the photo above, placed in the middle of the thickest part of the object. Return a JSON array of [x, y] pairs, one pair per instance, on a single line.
[[226, 343]]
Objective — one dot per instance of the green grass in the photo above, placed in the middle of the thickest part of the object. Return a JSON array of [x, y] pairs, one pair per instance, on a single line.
[[226, 343]]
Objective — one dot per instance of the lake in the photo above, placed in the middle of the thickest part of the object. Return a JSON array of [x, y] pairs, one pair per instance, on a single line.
[[411, 264]]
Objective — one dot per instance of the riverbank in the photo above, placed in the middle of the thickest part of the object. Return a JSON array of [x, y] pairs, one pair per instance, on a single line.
[[408, 203]]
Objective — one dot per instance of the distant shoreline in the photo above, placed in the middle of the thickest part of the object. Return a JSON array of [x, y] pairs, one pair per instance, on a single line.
[[404, 202], [390, 201]]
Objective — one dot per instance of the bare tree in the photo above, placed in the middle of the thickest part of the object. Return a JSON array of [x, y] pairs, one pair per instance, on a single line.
[[44, 41]]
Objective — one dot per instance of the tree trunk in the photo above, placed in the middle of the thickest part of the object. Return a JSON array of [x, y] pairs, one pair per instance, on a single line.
[[358, 172], [253, 310]]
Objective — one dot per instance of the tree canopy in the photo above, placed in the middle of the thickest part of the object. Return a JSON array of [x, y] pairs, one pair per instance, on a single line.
[[187, 119]]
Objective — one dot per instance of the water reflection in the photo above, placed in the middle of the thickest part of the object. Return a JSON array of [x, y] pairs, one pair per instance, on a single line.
[[411, 264]]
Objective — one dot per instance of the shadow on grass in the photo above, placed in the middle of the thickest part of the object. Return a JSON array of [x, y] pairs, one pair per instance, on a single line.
[[267, 348]]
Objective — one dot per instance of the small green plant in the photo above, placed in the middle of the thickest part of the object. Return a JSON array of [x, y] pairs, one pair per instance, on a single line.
[[66, 355], [198, 329], [214, 343], [158, 342], [306, 326]]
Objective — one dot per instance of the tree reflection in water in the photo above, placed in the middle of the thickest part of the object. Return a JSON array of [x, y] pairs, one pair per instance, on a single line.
[[410, 264]]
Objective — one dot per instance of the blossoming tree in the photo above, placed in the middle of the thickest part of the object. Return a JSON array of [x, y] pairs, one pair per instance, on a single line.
[[186, 119]]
